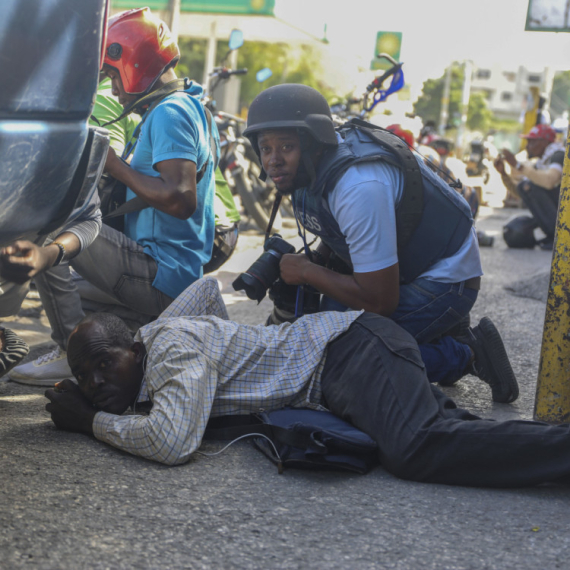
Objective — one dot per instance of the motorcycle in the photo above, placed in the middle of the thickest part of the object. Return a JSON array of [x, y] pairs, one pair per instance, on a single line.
[[238, 160], [362, 107], [241, 168]]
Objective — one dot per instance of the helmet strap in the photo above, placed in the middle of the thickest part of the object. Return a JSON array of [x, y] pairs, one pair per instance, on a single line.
[[306, 173], [142, 104]]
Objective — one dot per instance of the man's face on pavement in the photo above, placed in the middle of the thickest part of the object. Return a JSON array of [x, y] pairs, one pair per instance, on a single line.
[[536, 147], [117, 88], [109, 376], [280, 152]]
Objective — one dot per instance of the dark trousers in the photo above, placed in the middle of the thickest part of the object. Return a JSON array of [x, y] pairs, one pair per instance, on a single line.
[[374, 378], [542, 203]]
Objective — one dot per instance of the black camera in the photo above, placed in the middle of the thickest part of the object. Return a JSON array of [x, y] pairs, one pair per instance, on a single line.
[[265, 270], [264, 275]]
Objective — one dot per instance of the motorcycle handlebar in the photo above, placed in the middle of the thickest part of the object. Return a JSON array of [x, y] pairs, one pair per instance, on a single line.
[[225, 73], [225, 115], [377, 83]]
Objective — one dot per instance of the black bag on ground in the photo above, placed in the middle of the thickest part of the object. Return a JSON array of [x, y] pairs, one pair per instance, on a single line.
[[518, 232], [302, 438]]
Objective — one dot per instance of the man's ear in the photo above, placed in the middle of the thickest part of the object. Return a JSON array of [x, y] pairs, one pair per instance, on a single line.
[[138, 350]]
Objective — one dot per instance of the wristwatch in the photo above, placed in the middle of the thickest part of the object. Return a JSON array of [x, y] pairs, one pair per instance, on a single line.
[[61, 253]]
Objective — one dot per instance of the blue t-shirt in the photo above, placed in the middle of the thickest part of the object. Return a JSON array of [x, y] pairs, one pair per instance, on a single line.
[[176, 128]]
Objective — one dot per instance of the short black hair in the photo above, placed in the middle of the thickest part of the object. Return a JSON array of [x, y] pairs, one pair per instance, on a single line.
[[114, 327]]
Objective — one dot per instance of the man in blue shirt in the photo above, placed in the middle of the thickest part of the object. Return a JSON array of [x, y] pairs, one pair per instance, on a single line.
[[166, 243]]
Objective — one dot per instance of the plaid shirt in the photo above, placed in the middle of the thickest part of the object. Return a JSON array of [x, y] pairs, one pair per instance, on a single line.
[[200, 364]]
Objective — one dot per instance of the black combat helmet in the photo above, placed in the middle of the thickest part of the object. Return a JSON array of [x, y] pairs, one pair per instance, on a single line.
[[291, 106]]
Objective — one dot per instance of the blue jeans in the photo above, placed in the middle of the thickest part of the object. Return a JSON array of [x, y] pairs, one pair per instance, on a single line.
[[428, 310], [116, 265]]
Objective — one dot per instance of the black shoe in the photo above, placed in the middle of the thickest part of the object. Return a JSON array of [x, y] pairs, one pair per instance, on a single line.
[[491, 363], [546, 244]]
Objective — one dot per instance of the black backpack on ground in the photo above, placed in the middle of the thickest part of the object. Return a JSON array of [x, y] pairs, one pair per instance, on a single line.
[[301, 438]]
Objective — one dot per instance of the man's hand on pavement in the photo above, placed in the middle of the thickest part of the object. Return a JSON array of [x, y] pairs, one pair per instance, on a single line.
[[23, 260], [70, 410]]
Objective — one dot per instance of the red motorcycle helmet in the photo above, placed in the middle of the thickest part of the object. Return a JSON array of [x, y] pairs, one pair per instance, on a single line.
[[140, 47], [405, 135]]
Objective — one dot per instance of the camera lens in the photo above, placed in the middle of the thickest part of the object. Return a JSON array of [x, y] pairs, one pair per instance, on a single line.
[[257, 279], [265, 270]]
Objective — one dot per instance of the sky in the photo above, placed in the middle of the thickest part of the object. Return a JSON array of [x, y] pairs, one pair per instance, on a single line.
[[435, 33]]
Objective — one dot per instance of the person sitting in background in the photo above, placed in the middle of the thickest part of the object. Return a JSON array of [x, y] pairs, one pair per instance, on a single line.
[[537, 183]]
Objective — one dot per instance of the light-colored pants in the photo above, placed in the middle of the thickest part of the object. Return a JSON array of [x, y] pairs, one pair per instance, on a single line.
[[114, 264], [11, 297]]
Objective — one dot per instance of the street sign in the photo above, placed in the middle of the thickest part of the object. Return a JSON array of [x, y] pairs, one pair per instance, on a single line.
[[548, 16], [243, 7], [386, 42]]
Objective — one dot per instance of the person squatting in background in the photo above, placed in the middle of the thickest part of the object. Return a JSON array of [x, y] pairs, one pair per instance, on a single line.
[[537, 182]]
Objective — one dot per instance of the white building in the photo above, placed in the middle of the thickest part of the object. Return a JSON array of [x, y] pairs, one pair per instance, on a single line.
[[507, 91]]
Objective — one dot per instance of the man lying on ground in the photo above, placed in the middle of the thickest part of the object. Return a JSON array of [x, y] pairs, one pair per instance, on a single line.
[[192, 363]]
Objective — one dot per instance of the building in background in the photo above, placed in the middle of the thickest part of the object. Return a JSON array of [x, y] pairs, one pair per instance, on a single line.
[[508, 90]]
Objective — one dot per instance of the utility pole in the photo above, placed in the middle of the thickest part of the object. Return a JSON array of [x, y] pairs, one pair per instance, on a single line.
[[174, 18], [210, 54], [444, 116], [552, 403], [468, 72]]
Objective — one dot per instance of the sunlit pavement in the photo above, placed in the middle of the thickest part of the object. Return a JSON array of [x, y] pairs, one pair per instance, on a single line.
[[69, 501]]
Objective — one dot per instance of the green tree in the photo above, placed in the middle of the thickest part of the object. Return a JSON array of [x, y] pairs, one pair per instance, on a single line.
[[479, 116], [428, 105], [288, 65], [560, 98], [192, 58]]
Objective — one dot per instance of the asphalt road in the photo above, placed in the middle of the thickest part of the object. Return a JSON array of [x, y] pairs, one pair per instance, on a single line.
[[69, 501]]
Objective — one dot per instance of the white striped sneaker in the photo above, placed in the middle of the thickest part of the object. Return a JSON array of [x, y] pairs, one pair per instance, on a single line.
[[46, 370], [15, 349]]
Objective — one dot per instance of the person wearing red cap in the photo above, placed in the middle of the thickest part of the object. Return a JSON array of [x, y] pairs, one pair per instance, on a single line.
[[538, 182]]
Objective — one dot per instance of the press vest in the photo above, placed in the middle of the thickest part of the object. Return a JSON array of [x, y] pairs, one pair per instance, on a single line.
[[438, 231]]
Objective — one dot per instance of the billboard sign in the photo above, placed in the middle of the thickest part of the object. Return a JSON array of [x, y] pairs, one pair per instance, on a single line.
[[386, 42], [241, 7], [548, 16]]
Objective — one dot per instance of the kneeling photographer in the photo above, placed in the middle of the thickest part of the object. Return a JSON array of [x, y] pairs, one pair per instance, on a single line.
[[405, 235]]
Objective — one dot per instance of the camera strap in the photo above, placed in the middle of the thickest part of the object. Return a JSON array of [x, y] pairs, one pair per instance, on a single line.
[[276, 204], [299, 304]]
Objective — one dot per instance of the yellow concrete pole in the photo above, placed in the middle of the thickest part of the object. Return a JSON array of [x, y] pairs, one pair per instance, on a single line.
[[552, 402]]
